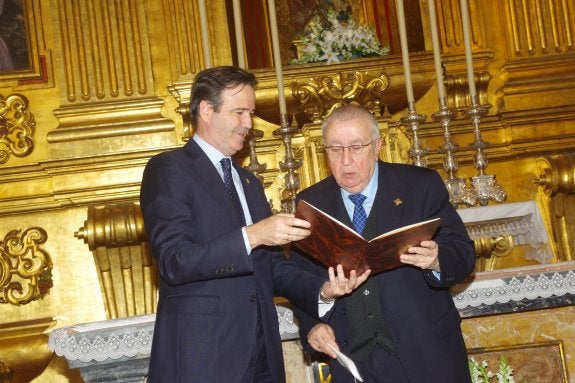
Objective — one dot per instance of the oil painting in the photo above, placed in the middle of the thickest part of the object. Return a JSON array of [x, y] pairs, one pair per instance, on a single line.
[[14, 46]]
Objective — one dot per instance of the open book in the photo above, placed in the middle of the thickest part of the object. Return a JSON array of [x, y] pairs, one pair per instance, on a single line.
[[331, 242]]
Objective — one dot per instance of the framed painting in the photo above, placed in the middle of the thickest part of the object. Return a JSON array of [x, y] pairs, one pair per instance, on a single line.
[[20, 57], [532, 362]]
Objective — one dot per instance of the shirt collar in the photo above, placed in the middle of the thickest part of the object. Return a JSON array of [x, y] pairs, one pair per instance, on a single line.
[[213, 154]]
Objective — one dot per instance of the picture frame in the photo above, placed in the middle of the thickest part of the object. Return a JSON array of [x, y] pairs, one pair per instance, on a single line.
[[532, 362], [19, 30]]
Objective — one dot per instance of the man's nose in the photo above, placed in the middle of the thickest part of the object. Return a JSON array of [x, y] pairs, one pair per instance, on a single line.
[[247, 122], [346, 155]]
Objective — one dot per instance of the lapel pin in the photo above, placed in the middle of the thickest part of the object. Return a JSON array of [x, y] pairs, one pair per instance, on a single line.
[[248, 181], [397, 201]]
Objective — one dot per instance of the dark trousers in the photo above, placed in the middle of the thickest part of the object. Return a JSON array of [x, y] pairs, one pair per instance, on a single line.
[[382, 367], [258, 370]]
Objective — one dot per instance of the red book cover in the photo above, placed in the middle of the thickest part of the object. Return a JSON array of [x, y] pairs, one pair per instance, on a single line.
[[331, 242]]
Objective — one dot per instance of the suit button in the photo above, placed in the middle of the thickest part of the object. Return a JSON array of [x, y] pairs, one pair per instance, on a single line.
[[370, 316], [376, 334], [345, 342], [253, 298], [366, 292]]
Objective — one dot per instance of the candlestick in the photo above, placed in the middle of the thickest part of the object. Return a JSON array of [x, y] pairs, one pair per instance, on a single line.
[[277, 55], [436, 53], [205, 34], [239, 33], [405, 54], [465, 23]]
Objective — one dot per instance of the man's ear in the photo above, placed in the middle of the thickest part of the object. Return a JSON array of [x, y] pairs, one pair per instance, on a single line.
[[205, 110]]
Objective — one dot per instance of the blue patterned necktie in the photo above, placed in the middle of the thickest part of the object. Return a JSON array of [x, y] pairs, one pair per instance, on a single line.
[[359, 216], [232, 192]]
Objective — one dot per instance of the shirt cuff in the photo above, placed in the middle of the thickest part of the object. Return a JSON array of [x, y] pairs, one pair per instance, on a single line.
[[323, 308], [246, 242]]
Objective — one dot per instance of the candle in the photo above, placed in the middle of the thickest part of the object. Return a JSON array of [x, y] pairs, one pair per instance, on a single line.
[[205, 34], [465, 23], [239, 33], [436, 53], [277, 56], [405, 54]]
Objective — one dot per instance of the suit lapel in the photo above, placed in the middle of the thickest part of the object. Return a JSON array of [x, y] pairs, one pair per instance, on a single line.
[[207, 176], [389, 196]]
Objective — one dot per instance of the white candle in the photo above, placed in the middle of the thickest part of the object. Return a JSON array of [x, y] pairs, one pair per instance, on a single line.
[[277, 56], [205, 34], [436, 51], [465, 23], [405, 53], [238, 27]]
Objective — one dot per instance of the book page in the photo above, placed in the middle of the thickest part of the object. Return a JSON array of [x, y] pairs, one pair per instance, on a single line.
[[408, 227], [346, 362]]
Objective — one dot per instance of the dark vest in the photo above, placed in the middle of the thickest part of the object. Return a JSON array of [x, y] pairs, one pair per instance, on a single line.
[[367, 328]]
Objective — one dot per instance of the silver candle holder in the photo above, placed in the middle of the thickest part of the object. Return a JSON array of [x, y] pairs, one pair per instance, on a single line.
[[412, 120], [485, 185], [460, 192], [290, 165], [254, 165]]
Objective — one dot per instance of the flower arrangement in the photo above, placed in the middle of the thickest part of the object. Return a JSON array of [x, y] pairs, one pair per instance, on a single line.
[[338, 39], [481, 374]]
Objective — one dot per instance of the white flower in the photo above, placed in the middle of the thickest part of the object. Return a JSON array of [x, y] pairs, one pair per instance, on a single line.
[[480, 373], [338, 41]]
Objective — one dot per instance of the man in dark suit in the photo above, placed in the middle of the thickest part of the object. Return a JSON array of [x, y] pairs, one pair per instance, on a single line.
[[401, 325], [212, 234]]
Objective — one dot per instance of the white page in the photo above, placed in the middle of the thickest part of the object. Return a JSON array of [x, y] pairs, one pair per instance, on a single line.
[[345, 361]]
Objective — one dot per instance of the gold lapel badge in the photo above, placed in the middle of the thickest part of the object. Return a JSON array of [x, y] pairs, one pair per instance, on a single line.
[[397, 201]]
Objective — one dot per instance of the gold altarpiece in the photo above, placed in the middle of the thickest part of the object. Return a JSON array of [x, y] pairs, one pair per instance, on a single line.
[[107, 88]]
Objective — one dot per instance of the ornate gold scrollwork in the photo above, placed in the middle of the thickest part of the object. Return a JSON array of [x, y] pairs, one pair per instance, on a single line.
[[557, 178], [488, 249], [25, 268], [324, 93], [116, 236], [16, 127]]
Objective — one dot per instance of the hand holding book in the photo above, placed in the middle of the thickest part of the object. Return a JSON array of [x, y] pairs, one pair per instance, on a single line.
[[332, 243]]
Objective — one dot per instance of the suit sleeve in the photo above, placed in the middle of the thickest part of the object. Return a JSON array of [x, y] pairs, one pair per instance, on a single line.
[[456, 249], [186, 228]]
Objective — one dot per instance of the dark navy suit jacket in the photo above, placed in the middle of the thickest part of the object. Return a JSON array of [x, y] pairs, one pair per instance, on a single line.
[[206, 318], [417, 307]]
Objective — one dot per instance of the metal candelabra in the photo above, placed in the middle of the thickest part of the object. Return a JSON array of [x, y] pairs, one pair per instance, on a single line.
[[459, 191], [289, 165], [485, 185]]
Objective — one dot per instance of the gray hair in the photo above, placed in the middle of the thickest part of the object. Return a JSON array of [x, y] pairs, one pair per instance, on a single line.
[[351, 112]]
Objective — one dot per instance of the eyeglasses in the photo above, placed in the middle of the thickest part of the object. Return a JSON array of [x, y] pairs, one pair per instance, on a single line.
[[357, 149]]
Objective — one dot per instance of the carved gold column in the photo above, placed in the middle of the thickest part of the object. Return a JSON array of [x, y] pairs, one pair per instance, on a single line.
[[115, 234], [557, 178]]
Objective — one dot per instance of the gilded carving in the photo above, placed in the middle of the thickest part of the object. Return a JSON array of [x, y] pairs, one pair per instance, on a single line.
[[557, 178], [16, 127], [326, 92], [115, 234], [25, 268], [488, 249]]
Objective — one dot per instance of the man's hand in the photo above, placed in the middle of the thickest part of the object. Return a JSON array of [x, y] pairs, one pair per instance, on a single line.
[[338, 285], [278, 229], [424, 256], [321, 337]]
